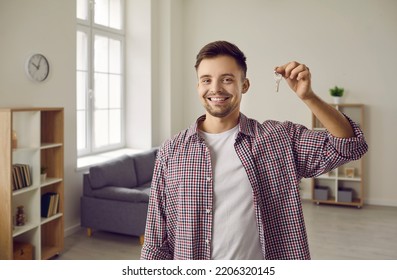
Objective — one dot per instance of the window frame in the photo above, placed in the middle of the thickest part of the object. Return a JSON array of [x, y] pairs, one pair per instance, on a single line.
[[92, 29]]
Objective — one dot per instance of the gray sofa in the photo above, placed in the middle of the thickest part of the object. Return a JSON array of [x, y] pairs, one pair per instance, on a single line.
[[116, 194]]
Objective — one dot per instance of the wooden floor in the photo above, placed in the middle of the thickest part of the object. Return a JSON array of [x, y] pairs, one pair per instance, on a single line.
[[334, 232]]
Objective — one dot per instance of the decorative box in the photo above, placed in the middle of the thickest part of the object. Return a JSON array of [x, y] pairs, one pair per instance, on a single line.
[[23, 251], [345, 195], [320, 193]]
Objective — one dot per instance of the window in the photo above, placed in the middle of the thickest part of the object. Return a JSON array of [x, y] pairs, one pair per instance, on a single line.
[[100, 76]]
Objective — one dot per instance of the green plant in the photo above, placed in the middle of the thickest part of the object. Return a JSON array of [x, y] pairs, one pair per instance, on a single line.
[[336, 91]]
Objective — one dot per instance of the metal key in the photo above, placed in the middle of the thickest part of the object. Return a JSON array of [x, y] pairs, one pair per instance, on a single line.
[[277, 78]]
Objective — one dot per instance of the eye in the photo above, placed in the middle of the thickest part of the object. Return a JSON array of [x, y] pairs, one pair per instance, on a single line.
[[227, 80], [205, 81]]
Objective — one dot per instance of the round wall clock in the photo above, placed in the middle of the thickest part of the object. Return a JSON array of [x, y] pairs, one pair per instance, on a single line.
[[37, 67]]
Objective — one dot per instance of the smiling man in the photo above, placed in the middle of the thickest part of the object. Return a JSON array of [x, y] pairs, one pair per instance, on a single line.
[[228, 186], [220, 86]]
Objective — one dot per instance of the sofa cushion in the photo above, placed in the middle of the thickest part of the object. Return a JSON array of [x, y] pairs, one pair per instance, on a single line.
[[139, 194], [119, 173], [144, 165]]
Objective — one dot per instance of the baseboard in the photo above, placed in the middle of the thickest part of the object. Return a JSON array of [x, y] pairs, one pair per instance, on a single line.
[[381, 202], [373, 202], [71, 230]]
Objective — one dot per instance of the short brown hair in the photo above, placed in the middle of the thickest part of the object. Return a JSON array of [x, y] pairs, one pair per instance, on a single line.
[[219, 48]]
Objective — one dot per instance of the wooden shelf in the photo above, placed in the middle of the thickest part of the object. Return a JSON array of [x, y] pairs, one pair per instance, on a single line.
[[49, 219], [18, 230], [40, 138], [50, 145], [48, 252], [50, 181], [24, 190]]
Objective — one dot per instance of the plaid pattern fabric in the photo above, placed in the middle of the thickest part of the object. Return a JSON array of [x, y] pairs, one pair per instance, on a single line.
[[275, 155]]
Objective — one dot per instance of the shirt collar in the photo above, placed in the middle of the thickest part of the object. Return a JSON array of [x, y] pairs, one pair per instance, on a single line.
[[244, 127]]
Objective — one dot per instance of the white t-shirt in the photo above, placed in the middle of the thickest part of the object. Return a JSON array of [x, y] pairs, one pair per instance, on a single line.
[[235, 230]]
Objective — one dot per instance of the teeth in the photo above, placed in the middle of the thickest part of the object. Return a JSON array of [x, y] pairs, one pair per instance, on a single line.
[[218, 99]]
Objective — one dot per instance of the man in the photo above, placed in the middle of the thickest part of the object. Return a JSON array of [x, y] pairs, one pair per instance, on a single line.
[[228, 186]]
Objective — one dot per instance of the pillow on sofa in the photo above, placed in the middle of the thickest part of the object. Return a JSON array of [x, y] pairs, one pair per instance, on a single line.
[[119, 172], [144, 165]]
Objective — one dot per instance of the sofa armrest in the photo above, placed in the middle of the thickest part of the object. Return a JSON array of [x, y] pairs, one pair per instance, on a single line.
[[144, 165], [87, 188]]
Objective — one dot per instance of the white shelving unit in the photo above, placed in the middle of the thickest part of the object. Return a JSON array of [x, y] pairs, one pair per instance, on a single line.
[[39, 143]]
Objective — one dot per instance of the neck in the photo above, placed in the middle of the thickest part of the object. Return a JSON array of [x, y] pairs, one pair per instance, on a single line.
[[216, 125]]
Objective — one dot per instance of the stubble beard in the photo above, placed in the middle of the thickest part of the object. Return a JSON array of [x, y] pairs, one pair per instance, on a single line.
[[219, 111]]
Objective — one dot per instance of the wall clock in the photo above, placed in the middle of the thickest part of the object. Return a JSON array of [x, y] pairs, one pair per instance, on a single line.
[[37, 67]]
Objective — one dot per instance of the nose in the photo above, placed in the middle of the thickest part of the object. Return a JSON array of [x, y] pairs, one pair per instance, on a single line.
[[216, 87]]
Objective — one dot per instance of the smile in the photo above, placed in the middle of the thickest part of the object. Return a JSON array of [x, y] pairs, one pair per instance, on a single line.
[[218, 99]]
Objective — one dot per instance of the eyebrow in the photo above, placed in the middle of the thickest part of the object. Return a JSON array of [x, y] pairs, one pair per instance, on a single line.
[[223, 75]]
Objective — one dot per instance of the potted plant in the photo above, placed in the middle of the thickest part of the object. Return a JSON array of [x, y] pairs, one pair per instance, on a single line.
[[43, 173], [337, 93]]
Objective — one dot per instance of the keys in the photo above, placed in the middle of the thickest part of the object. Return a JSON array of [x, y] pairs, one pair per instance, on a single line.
[[277, 78]]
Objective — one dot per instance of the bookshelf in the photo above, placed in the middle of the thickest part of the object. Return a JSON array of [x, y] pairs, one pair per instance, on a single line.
[[38, 134], [345, 184]]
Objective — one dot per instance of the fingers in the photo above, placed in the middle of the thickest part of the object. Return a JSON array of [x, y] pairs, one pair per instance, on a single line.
[[294, 70]]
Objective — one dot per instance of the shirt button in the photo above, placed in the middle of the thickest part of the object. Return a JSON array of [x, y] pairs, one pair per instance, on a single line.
[[207, 241], [208, 179], [208, 211]]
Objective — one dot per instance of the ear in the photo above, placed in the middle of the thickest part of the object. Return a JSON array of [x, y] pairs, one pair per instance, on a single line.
[[246, 85]]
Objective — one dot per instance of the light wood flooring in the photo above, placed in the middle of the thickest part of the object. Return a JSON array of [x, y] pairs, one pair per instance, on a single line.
[[334, 232]]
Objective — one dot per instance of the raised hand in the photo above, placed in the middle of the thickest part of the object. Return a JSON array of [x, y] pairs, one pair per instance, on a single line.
[[298, 78]]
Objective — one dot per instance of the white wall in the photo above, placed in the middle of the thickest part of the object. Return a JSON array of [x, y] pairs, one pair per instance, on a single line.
[[154, 88], [139, 73], [346, 43], [48, 27]]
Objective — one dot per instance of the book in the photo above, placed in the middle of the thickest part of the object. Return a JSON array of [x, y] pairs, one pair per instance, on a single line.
[[45, 204], [56, 203], [21, 176], [49, 204]]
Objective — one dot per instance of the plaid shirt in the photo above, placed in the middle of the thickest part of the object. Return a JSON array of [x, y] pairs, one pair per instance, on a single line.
[[275, 155]]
